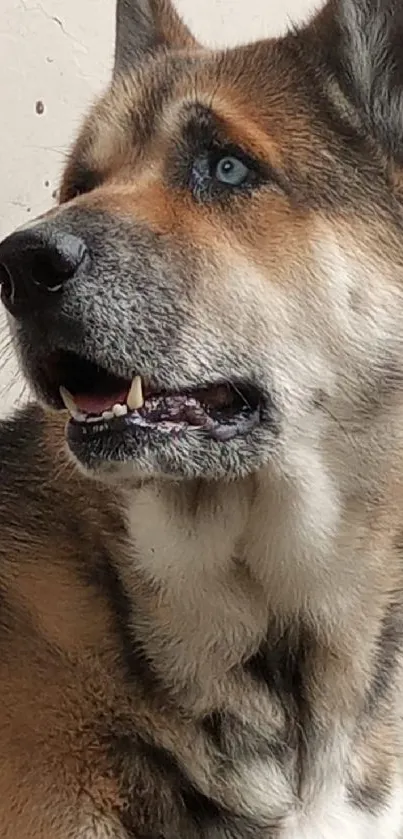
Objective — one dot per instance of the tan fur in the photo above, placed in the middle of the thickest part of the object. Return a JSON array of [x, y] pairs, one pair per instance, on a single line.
[[207, 655]]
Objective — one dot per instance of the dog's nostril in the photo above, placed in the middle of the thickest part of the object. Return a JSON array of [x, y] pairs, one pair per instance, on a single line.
[[52, 265]]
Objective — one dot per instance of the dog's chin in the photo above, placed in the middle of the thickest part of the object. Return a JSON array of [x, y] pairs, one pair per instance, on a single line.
[[125, 428], [126, 456]]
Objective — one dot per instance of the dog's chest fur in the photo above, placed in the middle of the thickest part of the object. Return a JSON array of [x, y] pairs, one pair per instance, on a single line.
[[279, 704]]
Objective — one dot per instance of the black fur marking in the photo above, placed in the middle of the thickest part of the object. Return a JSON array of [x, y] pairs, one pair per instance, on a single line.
[[174, 792], [283, 665], [388, 651], [137, 666], [388, 646], [370, 797], [237, 740]]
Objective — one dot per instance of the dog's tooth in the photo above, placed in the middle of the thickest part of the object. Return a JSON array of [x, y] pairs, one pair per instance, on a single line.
[[119, 410], [135, 399], [107, 415], [69, 403]]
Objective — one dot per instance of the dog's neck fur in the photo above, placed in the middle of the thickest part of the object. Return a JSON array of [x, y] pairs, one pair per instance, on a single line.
[[213, 566]]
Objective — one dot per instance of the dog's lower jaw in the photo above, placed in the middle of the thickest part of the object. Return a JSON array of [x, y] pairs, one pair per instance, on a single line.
[[191, 457]]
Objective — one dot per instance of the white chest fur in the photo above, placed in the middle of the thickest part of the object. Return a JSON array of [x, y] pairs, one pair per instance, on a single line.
[[209, 618], [210, 613], [333, 817]]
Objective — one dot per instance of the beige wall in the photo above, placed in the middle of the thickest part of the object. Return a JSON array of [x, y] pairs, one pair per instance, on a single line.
[[54, 55]]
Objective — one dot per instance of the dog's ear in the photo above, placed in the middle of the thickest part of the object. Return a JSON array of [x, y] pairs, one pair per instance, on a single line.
[[362, 40], [143, 26]]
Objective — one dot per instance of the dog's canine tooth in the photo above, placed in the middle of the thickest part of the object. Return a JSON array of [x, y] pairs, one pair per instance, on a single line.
[[69, 403], [135, 399]]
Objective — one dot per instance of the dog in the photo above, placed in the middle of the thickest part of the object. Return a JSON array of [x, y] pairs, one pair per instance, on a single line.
[[201, 575]]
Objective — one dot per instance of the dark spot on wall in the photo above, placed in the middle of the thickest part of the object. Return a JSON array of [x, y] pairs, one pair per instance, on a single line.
[[46, 183], [39, 107], [55, 194]]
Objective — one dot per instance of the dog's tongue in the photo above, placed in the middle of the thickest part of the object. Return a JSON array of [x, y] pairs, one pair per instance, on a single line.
[[92, 403]]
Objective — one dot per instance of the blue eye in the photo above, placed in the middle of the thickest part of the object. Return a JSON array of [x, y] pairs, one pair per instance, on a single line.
[[231, 171]]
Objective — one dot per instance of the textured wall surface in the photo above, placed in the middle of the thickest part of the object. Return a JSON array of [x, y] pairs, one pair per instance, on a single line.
[[54, 56]]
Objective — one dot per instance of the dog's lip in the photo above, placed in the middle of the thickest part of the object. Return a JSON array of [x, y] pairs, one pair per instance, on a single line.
[[154, 422], [220, 409], [93, 389]]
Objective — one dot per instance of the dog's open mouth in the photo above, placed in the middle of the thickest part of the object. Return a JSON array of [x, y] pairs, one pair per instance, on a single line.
[[100, 403]]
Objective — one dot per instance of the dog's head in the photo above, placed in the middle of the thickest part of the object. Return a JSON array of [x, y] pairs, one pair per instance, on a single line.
[[221, 286]]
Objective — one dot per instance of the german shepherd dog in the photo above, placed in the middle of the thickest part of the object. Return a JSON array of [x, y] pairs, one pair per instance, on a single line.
[[201, 571]]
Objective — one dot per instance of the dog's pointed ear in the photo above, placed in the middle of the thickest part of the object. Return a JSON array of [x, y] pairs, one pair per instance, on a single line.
[[143, 26], [362, 40]]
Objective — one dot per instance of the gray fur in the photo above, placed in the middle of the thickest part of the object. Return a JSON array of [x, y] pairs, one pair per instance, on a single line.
[[135, 32], [371, 53]]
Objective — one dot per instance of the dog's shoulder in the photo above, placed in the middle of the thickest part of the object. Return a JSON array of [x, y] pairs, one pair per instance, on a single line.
[[22, 449], [42, 495], [73, 692]]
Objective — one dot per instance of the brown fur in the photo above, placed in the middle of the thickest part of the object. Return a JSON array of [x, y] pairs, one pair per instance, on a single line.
[[206, 642]]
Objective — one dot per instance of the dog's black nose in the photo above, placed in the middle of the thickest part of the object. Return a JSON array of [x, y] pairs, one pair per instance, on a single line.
[[34, 264]]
